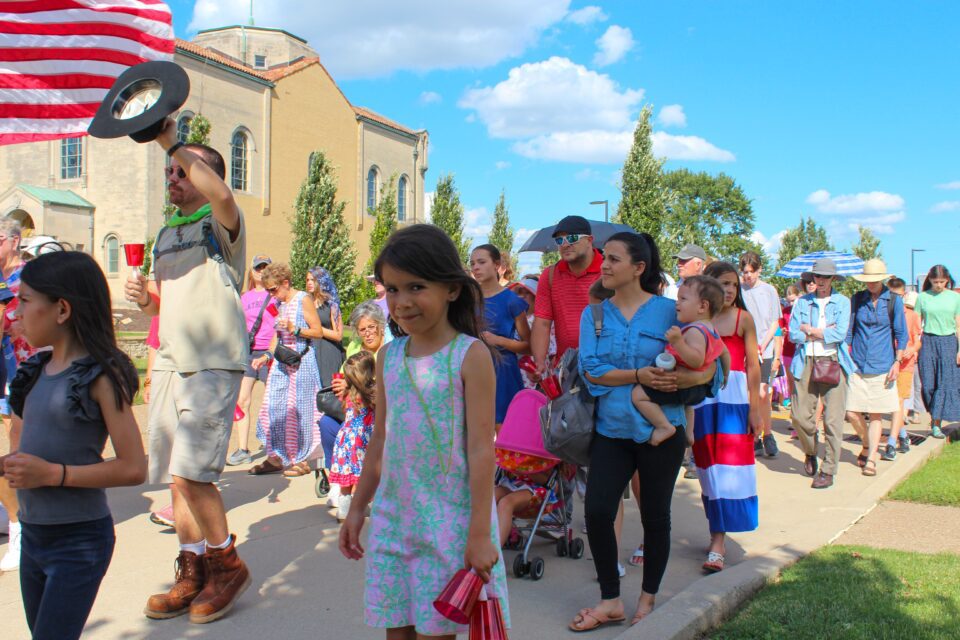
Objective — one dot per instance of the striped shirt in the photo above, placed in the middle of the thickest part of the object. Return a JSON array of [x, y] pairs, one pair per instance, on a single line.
[[564, 300]]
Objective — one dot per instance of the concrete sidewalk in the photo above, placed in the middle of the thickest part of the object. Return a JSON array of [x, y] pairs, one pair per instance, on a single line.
[[303, 588]]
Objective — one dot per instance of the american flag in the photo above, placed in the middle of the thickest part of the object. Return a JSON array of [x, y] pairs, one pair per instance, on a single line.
[[58, 59]]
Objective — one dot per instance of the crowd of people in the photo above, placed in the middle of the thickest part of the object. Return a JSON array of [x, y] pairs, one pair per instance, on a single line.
[[404, 417]]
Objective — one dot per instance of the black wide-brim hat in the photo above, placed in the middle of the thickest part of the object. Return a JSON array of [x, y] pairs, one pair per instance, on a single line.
[[141, 82]]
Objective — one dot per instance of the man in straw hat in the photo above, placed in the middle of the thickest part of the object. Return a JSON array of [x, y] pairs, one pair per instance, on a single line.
[[878, 336], [818, 327]]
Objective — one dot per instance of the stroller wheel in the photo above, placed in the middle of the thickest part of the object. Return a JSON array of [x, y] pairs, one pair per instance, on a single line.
[[536, 568], [519, 566], [322, 485], [576, 548], [562, 547]]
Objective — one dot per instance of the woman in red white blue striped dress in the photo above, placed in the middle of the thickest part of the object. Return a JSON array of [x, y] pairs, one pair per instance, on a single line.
[[725, 425]]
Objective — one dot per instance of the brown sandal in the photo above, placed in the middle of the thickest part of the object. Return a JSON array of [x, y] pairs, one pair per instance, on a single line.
[[265, 467], [869, 470], [297, 470], [588, 620], [862, 459]]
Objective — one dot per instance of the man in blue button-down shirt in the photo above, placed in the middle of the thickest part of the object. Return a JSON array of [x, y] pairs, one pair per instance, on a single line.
[[877, 336]]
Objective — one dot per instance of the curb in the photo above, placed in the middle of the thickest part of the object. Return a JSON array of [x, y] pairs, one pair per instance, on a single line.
[[706, 603]]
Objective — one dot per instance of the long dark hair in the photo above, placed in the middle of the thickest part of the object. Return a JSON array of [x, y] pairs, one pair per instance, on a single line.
[[495, 254], [425, 251], [719, 268], [75, 277], [938, 271], [643, 248]]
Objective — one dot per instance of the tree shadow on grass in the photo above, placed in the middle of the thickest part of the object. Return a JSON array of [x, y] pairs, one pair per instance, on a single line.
[[854, 593]]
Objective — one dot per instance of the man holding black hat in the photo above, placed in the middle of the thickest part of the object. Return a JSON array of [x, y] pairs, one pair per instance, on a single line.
[[562, 292], [198, 263]]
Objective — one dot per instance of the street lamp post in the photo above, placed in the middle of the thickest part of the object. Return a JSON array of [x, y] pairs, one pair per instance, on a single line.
[[606, 208], [913, 280]]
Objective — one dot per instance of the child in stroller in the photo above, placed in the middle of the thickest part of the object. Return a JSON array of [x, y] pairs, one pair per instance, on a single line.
[[529, 486]]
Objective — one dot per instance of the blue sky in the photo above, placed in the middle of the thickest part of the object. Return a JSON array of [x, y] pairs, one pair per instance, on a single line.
[[845, 112]]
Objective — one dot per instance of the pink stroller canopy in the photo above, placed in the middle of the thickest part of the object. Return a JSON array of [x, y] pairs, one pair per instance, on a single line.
[[520, 430]]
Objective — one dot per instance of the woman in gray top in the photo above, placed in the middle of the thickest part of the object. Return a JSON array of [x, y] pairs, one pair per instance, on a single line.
[[66, 402]]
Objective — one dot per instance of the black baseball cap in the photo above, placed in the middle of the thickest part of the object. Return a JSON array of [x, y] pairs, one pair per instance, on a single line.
[[573, 224]]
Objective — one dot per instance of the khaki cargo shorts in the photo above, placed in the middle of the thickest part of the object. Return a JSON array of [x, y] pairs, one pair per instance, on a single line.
[[190, 418]]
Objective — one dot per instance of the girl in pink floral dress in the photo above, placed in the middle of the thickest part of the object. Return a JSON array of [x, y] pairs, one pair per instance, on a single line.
[[354, 436], [430, 461]]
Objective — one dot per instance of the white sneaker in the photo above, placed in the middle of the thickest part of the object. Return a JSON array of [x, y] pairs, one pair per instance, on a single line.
[[343, 507], [11, 560], [333, 498], [622, 570]]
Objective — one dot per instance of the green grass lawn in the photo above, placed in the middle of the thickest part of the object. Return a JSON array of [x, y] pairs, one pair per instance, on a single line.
[[935, 482], [855, 593]]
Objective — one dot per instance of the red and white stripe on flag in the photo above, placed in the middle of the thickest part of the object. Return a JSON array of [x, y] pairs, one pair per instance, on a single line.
[[58, 59]]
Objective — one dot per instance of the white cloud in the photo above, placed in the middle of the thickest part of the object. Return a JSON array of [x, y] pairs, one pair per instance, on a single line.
[[417, 36], [501, 165], [672, 115], [882, 224], [771, 245], [521, 235], [586, 174], [540, 98], [955, 184], [477, 224], [613, 45], [855, 203], [687, 148], [587, 15], [588, 147], [943, 207], [430, 97]]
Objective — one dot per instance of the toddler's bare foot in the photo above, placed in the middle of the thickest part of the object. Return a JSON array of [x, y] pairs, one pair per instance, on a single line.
[[662, 433]]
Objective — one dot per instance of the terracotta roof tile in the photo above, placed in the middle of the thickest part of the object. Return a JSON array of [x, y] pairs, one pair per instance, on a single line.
[[286, 70], [213, 56], [376, 117]]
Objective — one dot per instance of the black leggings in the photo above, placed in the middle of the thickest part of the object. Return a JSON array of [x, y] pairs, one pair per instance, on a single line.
[[612, 463]]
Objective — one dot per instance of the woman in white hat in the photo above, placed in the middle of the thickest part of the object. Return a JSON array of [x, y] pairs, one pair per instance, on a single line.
[[877, 336], [821, 365]]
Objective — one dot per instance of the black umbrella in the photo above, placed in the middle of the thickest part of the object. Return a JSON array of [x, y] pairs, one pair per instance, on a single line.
[[542, 240]]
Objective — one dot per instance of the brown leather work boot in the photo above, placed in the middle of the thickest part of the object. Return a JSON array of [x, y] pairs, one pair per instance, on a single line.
[[227, 578], [188, 583]]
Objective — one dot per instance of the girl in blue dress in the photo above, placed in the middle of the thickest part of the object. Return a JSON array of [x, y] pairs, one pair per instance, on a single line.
[[507, 329]]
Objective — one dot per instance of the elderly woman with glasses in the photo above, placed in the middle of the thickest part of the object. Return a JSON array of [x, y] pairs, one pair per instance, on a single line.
[[369, 326], [821, 365], [290, 398]]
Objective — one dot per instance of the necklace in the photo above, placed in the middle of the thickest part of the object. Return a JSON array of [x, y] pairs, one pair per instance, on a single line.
[[434, 433]]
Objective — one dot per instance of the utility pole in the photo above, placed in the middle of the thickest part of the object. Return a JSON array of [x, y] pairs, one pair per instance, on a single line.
[[606, 208]]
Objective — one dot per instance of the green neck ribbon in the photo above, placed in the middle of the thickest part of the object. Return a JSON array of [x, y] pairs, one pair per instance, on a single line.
[[178, 219]]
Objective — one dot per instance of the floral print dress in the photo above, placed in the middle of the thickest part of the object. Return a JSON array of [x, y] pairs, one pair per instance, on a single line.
[[351, 446], [421, 513]]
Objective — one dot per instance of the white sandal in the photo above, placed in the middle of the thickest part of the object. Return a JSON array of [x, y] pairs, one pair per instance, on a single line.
[[714, 563], [637, 558]]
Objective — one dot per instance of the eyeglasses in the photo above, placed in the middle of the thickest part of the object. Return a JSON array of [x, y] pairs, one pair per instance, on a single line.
[[169, 171], [272, 290], [570, 238], [369, 331]]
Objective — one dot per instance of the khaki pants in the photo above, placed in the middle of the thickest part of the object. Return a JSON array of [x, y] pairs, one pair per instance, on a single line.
[[804, 415]]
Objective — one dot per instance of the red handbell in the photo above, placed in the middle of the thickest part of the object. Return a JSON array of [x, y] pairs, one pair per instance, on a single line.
[[458, 599], [486, 623]]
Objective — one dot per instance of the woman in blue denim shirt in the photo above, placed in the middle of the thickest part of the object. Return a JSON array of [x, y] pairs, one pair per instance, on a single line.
[[818, 327], [635, 320]]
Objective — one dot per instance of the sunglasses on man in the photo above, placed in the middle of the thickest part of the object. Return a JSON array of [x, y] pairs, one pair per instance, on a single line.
[[570, 238], [175, 170]]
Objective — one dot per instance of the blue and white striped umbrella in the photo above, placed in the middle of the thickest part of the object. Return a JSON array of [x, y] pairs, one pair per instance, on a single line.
[[847, 264]]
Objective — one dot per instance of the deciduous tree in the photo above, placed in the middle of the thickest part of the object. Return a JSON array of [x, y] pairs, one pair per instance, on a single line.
[[447, 213]]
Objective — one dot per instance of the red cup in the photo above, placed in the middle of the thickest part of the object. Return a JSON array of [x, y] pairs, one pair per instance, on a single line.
[[551, 386], [528, 364], [238, 413], [457, 600], [134, 254], [272, 309], [486, 623], [337, 376]]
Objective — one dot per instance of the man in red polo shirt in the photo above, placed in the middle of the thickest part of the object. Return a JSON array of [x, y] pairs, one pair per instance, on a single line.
[[562, 289]]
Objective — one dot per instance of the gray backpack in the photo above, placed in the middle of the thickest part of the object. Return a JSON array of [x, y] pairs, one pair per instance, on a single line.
[[567, 422]]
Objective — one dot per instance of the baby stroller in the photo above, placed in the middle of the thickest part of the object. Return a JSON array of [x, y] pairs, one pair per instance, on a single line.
[[519, 450]]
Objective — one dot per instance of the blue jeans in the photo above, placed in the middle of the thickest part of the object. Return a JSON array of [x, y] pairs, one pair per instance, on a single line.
[[329, 428], [61, 567]]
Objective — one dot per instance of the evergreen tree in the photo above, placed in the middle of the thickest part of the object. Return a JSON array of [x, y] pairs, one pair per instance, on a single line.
[[199, 130], [320, 234], [501, 235], [447, 213], [642, 201], [384, 224]]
